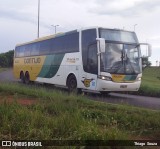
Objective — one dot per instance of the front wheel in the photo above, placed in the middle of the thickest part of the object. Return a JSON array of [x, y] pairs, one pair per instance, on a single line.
[[72, 83]]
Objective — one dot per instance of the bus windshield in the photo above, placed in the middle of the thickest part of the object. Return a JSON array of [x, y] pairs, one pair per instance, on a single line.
[[121, 59], [118, 36]]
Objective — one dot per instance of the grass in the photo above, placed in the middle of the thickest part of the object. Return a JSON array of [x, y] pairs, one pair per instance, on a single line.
[[58, 115], [151, 82]]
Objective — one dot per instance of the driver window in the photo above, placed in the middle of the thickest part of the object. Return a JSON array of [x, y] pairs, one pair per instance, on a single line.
[[92, 59]]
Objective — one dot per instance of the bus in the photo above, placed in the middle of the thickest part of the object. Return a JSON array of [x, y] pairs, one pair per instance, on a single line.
[[96, 59]]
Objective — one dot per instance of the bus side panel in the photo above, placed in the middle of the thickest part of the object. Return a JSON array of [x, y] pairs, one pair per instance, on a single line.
[[59, 67], [31, 64]]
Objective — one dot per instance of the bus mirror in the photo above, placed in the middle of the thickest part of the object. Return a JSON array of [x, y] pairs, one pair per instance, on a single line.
[[146, 49], [102, 44]]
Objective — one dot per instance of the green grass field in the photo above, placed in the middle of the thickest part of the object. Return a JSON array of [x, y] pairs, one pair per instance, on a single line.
[[57, 115], [151, 82]]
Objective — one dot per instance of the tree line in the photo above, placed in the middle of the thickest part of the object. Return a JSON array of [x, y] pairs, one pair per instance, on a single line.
[[146, 62], [6, 59]]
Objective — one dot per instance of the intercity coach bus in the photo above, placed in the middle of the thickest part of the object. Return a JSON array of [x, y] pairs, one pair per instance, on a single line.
[[93, 59]]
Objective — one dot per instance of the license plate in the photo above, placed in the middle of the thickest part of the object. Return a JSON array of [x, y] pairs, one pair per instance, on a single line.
[[123, 86]]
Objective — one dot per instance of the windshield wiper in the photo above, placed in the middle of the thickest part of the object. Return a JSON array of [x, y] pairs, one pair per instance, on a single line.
[[122, 57]]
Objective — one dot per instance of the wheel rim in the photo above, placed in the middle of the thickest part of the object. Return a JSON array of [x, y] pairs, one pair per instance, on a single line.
[[73, 84], [22, 77], [27, 78]]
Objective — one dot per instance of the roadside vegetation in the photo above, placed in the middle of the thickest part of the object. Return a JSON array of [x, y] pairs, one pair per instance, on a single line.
[[63, 116], [150, 82], [6, 59]]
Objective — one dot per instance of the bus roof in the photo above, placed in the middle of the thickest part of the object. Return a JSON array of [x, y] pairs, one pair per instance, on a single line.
[[61, 34], [40, 39]]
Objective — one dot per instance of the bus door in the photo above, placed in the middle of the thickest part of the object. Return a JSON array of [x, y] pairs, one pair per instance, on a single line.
[[91, 69]]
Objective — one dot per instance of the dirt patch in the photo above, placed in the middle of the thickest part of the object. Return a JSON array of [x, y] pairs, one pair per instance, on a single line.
[[23, 101]]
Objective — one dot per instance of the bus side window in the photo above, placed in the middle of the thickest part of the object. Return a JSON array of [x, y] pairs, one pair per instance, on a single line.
[[20, 51], [44, 47], [65, 44], [27, 50], [92, 59], [35, 49], [17, 52]]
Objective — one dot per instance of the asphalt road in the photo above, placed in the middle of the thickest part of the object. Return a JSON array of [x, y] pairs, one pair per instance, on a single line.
[[7, 76], [127, 99], [115, 98]]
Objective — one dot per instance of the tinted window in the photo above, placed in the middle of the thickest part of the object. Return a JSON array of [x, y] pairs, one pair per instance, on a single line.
[[19, 51], [45, 47], [88, 37], [62, 44], [66, 43], [27, 49], [92, 59], [118, 35], [35, 49]]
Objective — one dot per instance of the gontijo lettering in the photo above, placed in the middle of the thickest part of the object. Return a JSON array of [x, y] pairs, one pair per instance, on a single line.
[[32, 60]]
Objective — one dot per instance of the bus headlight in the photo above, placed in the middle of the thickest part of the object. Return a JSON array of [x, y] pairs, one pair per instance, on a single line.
[[105, 78], [139, 79]]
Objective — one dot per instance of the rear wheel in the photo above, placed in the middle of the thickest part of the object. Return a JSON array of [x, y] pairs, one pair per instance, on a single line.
[[72, 83], [27, 78], [22, 77]]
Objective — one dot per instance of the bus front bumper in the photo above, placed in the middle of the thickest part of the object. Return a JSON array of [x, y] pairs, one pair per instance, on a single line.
[[103, 85]]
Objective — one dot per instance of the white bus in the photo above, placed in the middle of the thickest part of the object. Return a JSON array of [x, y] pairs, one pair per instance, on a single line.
[[94, 59]]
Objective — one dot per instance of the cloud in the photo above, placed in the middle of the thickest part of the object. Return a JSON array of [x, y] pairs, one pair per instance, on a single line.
[[155, 38], [19, 15], [15, 15], [124, 7]]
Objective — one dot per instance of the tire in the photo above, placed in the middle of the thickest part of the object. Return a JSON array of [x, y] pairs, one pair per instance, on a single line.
[[27, 78], [22, 77], [72, 83]]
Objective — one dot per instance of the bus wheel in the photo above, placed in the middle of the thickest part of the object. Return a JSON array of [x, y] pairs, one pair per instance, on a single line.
[[27, 78], [72, 83], [22, 77]]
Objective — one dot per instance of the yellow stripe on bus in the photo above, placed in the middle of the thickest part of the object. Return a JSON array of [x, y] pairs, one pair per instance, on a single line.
[[31, 64]]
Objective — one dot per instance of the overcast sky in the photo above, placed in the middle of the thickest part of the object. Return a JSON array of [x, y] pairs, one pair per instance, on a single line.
[[18, 19]]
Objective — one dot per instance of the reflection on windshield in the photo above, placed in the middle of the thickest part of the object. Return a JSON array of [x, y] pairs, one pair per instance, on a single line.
[[121, 59]]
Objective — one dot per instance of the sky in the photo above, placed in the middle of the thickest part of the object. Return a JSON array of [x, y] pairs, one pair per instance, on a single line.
[[18, 19]]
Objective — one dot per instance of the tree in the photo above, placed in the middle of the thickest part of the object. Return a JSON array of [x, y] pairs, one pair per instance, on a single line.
[[6, 59], [3, 60], [9, 56], [146, 62]]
